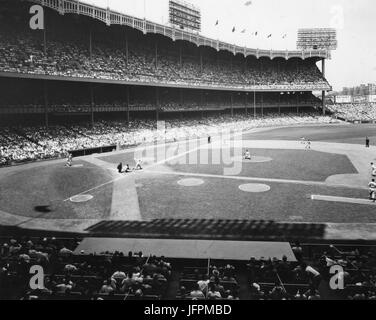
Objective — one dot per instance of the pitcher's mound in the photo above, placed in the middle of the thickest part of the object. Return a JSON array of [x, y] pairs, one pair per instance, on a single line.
[[254, 159]]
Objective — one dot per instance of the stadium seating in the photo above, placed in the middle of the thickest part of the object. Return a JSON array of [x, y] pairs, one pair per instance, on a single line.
[[364, 112], [114, 276], [124, 54], [20, 144], [68, 54]]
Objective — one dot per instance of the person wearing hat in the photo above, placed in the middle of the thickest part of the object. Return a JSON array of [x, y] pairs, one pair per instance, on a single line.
[[372, 190], [106, 288], [4, 250], [373, 169], [120, 167], [197, 293], [139, 165], [213, 293], [203, 283], [247, 155]]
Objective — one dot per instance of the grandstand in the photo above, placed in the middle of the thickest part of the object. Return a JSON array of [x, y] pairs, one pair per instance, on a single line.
[[74, 274], [96, 84], [354, 112], [80, 69]]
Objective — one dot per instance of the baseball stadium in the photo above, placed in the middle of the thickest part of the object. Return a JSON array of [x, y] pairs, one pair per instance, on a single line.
[[189, 160]]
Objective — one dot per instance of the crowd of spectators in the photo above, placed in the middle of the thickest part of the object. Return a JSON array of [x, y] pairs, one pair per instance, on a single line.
[[20, 144], [79, 276], [74, 275], [364, 112], [216, 282], [23, 52], [311, 279]]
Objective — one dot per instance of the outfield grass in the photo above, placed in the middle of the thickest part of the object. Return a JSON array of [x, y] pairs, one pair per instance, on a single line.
[[352, 134], [285, 164], [162, 197]]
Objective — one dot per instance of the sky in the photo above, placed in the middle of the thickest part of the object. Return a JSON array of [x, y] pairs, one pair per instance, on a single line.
[[353, 63]]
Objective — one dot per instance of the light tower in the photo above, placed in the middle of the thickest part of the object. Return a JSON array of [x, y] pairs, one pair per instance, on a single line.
[[318, 39]]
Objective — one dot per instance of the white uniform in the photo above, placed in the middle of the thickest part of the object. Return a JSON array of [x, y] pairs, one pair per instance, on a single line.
[[69, 161], [139, 165], [374, 170], [372, 190], [247, 155]]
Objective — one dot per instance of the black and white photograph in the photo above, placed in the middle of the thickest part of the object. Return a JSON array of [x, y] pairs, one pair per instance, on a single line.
[[187, 154]]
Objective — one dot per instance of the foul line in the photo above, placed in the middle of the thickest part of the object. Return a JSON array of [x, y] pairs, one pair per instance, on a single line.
[[254, 179], [133, 173], [343, 200]]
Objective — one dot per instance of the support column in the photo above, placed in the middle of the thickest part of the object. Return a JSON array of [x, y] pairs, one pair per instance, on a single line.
[[181, 55], [126, 48], [92, 102], [90, 43], [45, 34], [157, 102], [156, 54], [254, 105], [323, 92], [127, 99], [232, 104], [201, 59], [246, 104], [45, 95], [181, 97], [297, 107]]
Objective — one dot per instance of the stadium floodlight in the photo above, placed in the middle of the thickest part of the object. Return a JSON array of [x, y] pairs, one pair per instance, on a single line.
[[317, 39]]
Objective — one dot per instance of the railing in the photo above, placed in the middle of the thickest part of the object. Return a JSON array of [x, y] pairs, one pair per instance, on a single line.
[[110, 17]]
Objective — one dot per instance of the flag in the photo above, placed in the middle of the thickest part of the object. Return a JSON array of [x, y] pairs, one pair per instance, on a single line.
[[248, 3], [233, 29]]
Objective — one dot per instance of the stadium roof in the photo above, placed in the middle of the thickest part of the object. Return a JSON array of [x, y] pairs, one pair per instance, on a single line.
[[111, 17]]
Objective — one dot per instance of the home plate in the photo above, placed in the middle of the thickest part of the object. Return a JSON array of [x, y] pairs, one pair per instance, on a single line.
[[343, 200]]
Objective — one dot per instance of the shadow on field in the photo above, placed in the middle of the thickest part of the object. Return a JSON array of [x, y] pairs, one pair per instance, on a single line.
[[42, 209], [240, 230]]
